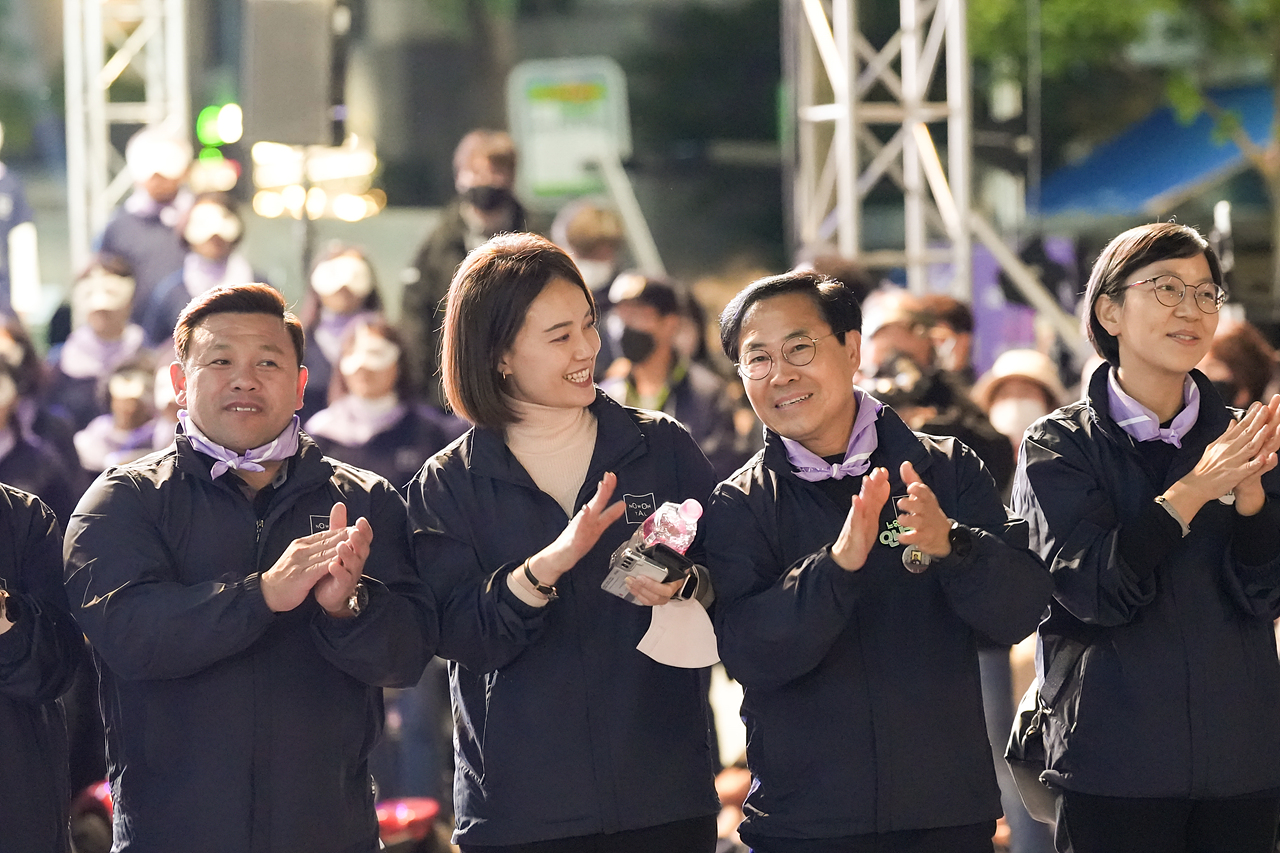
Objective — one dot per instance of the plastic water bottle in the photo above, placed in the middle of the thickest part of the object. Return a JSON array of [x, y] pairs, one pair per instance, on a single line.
[[673, 524]]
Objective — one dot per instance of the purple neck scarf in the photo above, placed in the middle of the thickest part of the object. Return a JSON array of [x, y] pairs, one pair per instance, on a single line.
[[281, 447], [1142, 423], [863, 441]]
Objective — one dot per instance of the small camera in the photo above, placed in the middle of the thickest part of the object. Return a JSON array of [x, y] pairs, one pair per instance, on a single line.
[[636, 559]]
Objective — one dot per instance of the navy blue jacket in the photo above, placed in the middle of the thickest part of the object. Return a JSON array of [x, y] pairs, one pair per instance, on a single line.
[[862, 699], [1178, 694], [38, 658], [563, 727], [230, 727]]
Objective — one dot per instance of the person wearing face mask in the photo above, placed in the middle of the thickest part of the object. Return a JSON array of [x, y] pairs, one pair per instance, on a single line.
[[127, 431], [1019, 389], [343, 294], [102, 338], [373, 422], [142, 231], [651, 373], [211, 231], [484, 175]]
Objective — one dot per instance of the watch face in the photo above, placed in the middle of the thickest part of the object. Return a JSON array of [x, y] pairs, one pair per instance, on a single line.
[[961, 539]]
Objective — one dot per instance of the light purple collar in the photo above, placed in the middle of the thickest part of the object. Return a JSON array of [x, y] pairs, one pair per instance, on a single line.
[[857, 458], [1142, 423], [281, 447]]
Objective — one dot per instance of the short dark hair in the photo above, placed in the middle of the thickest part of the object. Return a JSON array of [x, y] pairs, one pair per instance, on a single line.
[[1130, 251], [836, 301], [495, 146], [236, 299], [488, 299]]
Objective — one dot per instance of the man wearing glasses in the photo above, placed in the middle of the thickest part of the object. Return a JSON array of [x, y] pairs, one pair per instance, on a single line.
[[855, 564]]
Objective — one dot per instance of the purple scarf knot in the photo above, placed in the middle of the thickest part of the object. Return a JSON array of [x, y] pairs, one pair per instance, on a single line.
[[863, 441]]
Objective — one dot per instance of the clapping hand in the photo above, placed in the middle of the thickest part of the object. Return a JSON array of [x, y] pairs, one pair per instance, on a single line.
[[927, 526], [1234, 462], [861, 525], [585, 528]]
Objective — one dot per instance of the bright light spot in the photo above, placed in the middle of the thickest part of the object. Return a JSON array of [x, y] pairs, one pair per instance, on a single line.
[[350, 208], [294, 196], [272, 152], [317, 200], [207, 127], [230, 123], [268, 204], [378, 197]]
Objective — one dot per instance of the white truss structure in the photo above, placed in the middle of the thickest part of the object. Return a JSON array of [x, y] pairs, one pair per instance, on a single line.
[[863, 115], [105, 40]]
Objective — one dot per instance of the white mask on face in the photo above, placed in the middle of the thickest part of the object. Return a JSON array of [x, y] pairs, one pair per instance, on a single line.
[[1012, 415], [595, 274], [207, 221], [343, 271]]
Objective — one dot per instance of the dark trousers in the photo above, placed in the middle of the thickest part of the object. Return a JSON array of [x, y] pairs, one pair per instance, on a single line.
[[1091, 824], [697, 835], [973, 838]]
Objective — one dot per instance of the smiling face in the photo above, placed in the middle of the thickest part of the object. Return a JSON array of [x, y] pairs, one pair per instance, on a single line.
[[241, 382], [550, 363], [813, 404], [1155, 340]]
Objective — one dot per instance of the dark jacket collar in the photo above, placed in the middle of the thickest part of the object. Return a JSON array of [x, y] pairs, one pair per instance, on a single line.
[[618, 440], [1214, 415]]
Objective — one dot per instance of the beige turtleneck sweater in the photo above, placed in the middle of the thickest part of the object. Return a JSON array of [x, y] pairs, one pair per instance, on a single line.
[[555, 446]]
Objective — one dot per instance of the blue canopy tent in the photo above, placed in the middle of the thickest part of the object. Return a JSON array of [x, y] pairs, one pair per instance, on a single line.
[[1158, 162]]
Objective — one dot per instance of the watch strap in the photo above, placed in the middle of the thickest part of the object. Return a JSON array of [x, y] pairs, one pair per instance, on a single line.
[[546, 589]]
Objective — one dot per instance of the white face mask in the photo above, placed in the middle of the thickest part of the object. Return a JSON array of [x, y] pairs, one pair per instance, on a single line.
[[343, 271], [207, 221], [595, 274], [1012, 415]]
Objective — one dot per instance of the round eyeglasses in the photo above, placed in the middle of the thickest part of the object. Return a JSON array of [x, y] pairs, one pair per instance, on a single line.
[[1170, 290], [797, 351]]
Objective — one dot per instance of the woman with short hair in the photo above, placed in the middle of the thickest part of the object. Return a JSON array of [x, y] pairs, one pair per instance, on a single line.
[[568, 737], [1154, 505]]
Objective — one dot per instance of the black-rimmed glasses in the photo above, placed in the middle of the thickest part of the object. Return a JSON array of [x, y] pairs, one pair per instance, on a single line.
[[1170, 291], [797, 351]]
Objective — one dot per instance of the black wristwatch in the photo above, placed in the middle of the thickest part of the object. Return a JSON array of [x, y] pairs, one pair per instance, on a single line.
[[961, 539]]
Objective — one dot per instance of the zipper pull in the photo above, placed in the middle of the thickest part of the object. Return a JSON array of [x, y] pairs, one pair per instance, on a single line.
[[257, 537]]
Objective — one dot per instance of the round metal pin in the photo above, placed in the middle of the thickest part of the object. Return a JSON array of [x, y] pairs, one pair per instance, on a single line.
[[915, 560]]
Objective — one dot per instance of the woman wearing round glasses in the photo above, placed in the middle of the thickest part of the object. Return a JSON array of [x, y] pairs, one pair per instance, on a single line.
[[1155, 506]]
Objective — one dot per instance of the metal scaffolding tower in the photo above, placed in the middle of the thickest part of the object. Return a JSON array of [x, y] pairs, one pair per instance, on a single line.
[[864, 114], [106, 41]]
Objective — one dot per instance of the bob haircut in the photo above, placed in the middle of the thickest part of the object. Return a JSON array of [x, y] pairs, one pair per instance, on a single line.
[[835, 300], [1131, 251], [235, 299], [486, 306]]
